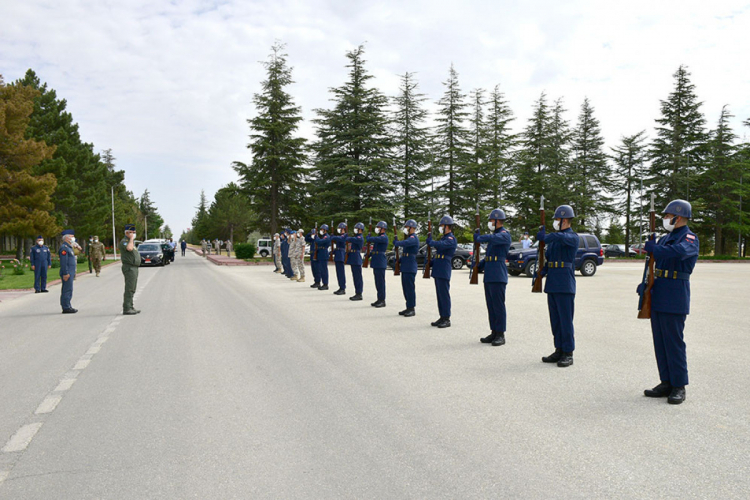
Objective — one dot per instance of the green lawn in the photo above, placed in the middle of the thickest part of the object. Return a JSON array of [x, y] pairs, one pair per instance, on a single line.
[[10, 281]]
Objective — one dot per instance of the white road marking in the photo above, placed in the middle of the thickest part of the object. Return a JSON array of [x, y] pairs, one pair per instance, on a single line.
[[101, 340], [82, 364], [94, 349], [48, 405], [65, 384], [3, 475], [21, 439]]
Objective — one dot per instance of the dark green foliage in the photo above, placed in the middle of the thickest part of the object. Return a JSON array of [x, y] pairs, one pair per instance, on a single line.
[[629, 158], [230, 215], [151, 218], [244, 250], [200, 228], [499, 143]]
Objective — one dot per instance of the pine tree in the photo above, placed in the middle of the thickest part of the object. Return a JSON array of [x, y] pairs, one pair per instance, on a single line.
[[677, 152], [353, 174], [412, 148], [498, 148], [200, 221], [272, 180], [451, 145], [152, 220], [473, 177], [230, 214], [558, 179], [629, 158]]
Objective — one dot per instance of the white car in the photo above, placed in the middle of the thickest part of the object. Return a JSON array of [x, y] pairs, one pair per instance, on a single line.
[[265, 247]]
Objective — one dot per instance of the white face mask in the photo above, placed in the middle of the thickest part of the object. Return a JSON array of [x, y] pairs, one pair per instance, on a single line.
[[406, 230], [668, 224], [339, 230], [322, 232], [491, 225], [96, 240], [72, 239], [40, 243], [442, 229], [556, 225], [377, 230]]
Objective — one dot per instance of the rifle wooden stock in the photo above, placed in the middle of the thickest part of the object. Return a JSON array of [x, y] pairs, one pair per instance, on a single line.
[[347, 249], [644, 311], [397, 264], [366, 262], [537, 288], [427, 274], [474, 278], [330, 234]]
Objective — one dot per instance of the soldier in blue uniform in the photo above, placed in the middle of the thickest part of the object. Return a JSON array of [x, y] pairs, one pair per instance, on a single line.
[[339, 254], [441, 269], [41, 260], [285, 262], [323, 241], [378, 261], [408, 261], [68, 265], [310, 240], [560, 287], [495, 275], [675, 255], [354, 259]]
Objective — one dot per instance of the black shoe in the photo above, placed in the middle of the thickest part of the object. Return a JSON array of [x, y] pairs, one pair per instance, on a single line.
[[44, 291], [375, 304], [379, 304], [489, 338], [70, 311], [660, 391], [323, 287], [131, 312], [677, 396], [356, 297], [566, 360], [499, 340], [436, 323], [445, 323], [315, 285], [554, 357], [409, 313], [340, 292], [37, 291]]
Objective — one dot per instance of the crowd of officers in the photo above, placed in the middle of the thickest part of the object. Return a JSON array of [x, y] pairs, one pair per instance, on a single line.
[[216, 245], [675, 257]]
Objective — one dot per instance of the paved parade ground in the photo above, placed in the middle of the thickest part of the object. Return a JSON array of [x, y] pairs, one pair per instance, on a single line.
[[236, 383]]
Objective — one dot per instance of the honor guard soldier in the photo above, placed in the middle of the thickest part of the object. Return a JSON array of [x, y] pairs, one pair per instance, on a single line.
[[323, 241], [442, 268], [285, 263], [131, 261], [675, 255], [339, 255], [378, 261], [560, 286], [310, 240], [495, 275], [354, 259], [68, 265], [97, 254], [408, 263], [41, 260]]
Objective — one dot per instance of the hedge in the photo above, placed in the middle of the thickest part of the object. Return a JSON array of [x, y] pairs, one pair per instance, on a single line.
[[244, 250]]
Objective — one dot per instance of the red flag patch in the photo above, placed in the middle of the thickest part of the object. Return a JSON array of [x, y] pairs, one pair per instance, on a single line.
[[64, 252]]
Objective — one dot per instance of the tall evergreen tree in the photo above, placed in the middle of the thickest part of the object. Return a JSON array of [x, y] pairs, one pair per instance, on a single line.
[[230, 215], [152, 220], [559, 142], [629, 158], [474, 176], [499, 147], [200, 221], [273, 177], [353, 173], [412, 149]]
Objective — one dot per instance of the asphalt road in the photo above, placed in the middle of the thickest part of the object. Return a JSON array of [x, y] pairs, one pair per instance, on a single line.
[[236, 383]]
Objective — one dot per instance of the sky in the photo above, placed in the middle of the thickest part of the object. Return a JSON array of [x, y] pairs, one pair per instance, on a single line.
[[168, 85]]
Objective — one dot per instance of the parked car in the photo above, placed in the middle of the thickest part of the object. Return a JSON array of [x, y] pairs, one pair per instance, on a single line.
[[638, 249], [265, 247], [617, 250], [151, 254], [588, 257], [459, 258]]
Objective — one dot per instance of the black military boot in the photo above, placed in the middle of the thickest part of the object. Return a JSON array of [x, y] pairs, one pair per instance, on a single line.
[[356, 297], [315, 285], [409, 313], [489, 338], [566, 360], [445, 323], [660, 391], [323, 287], [677, 396], [339, 292], [499, 340], [379, 304], [436, 323], [401, 313], [554, 357]]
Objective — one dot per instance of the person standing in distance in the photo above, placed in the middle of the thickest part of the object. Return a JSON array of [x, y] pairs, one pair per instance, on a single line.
[[442, 268], [310, 240], [183, 247], [526, 241], [354, 259], [495, 275], [338, 257], [277, 253], [322, 241], [68, 265], [300, 255], [378, 261], [131, 261], [560, 286], [675, 255], [408, 263], [41, 261]]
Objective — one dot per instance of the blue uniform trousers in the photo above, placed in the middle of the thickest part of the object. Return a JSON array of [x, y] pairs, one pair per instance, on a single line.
[[669, 346], [323, 271], [67, 293], [40, 277], [288, 267], [315, 271], [341, 275], [443, 289], [410, 294], [357, 278], [494, 293], [379, 282], [561, 309]]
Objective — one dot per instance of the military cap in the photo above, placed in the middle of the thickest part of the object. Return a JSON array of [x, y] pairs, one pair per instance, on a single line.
[[67, 232], [129, 227]]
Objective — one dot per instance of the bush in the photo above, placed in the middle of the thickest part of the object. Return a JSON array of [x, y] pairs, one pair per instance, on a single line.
[[55, 263], [244, 250], [19, 269], [81, 259]]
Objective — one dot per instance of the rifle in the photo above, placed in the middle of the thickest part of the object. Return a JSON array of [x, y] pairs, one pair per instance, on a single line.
[[330, 235], [537, 288], [474, 274], [428, 262], [644, 304], [366, 263], [397, 265], [348, 247], [315, 236]]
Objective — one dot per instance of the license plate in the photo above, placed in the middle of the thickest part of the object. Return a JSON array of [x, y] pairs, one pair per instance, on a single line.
[[147, 261]]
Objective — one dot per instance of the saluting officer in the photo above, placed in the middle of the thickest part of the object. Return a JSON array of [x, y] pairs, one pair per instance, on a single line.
[[675, 255], [41, 260], [323, 241], [285, 263], [354, 259], [378, 262], [277, 253], [408, 263], [310, 239], [67, 270], [441, 269], [495, 275], [338, 257], [131, 261], [560, 285]]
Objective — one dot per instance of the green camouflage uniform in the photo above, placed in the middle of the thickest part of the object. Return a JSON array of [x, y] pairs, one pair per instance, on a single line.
[[131, 261]]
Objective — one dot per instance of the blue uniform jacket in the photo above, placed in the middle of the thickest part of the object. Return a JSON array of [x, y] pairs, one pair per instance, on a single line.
[[284, 248], [310, 240], [323, 244], [67, 260], [183, 245], [441, 262], [355, 250], [498, 243], [377, 255], [675, 252], [340, 252], [40, 256], [410, 247], [560, 258]]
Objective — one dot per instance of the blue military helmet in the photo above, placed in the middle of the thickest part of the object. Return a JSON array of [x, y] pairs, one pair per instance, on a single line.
[[679, 207], [564, 212], [324, 227], [382, 225], [447, 220], [342, 225], [497, 214], [411, 223], [359, 226]]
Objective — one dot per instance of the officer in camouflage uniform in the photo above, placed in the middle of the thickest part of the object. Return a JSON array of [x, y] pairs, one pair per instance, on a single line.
[[277, 252], [98, 254], [131, 261], [299, 256]]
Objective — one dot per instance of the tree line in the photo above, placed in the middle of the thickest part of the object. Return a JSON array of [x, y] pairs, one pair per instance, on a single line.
[[51, 179], [375, 156]]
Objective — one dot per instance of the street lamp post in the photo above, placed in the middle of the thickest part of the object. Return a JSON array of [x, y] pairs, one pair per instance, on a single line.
[[114, 234]]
